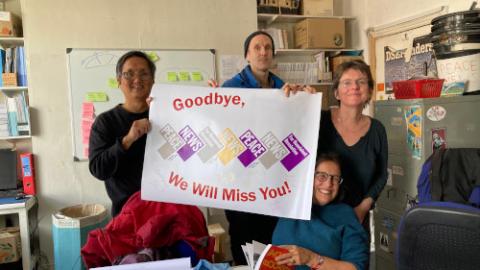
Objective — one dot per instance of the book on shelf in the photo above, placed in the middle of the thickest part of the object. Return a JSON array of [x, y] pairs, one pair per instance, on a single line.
[[4, 128], [14, 114], [21, 69], [279, 36], [13, 67], [298, 72], [262, 257]]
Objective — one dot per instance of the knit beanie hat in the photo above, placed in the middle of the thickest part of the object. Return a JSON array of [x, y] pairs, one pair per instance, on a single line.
[[254, 34]]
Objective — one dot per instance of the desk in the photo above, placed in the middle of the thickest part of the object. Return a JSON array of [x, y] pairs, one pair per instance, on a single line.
[[21, 207]]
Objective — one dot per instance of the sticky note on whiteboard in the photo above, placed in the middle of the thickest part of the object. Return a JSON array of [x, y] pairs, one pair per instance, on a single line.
[[96, 97], [197, 76]]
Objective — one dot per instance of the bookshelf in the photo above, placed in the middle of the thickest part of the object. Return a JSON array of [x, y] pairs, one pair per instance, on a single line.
[[288, 18], [7, 89], [25, 211], [11, 41], [288, 59], [308, 52], [14, 106]]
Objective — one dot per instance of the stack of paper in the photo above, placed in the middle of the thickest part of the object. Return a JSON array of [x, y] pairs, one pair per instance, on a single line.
[[17, 115], [299, 73], [280, 37]]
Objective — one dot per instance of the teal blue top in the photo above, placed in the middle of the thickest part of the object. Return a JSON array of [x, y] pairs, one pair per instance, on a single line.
[[333, 231]]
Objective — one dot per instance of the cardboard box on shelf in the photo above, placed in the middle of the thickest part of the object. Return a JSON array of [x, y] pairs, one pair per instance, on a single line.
[[10, 24], [10, 245], [338, 60], [317, 7], [9, 79], [316, 33]]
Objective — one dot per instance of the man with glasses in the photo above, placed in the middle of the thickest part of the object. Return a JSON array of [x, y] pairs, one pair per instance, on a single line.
[[118, 136]]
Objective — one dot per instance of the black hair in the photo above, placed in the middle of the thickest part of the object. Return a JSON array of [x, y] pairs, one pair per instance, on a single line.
[[333, 157], [251, 36], [121, 61], [329, 156]]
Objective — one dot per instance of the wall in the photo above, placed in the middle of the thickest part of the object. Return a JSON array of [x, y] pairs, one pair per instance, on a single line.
[[51, 26]]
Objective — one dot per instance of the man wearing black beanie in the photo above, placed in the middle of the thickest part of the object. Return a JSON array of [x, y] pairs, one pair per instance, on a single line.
[[259, 50]]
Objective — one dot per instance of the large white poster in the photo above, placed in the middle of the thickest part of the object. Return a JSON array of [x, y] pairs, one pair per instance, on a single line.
[[250, 150]]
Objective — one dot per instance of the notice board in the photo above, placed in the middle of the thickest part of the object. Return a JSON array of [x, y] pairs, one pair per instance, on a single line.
[[94, 89]]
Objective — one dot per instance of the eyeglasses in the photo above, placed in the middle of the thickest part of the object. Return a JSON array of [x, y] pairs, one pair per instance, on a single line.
[[350, 83], [130, 75], [323, 176]]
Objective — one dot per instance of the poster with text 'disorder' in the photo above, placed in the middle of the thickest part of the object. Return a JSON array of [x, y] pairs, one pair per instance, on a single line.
[[250, 150]]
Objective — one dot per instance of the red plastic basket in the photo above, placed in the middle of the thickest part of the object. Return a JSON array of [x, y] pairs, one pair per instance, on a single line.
[[425, 88]]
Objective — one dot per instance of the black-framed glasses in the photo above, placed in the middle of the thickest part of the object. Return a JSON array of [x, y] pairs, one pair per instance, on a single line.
[[130, 75], [323, 176]]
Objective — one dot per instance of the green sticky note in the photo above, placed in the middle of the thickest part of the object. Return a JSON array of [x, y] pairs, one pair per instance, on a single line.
[[112, 83], [184, 76], [172, 76], [197, 76], [96, 97], [152, 56]]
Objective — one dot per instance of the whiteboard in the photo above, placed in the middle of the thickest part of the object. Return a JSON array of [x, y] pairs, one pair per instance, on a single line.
[[92, 79]]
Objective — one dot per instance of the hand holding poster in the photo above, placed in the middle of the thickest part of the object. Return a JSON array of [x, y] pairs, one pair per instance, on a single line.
[[246, 150]]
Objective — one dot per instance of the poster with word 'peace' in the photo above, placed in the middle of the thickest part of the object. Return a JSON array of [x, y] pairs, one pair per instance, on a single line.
[[250, 150]]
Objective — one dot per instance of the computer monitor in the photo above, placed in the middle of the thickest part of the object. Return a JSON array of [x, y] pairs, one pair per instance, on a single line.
[[8, 169]]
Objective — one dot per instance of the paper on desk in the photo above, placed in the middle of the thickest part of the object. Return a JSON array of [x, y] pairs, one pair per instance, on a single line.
[[173, 264]]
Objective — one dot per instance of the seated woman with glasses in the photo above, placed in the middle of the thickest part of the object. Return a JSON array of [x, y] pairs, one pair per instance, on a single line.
[[359, 140], [333, 238]]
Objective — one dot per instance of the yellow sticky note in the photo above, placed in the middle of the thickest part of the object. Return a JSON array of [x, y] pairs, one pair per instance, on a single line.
[[172, 76], [96, 97], [233, 146], [152, 56], [112, 83], [197, 76], [184, 76]]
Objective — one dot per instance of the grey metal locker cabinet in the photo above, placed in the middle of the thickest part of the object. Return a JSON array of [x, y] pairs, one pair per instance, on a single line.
[[414, 127]]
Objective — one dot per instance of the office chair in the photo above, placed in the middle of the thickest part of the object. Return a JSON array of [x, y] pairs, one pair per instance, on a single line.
[[439, 236]]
